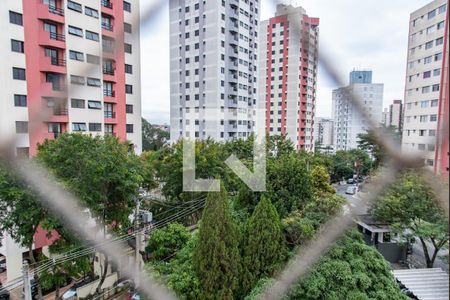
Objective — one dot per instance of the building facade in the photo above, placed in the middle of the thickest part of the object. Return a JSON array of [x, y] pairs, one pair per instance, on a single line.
[[69, 66], [348, 121], [424, 75], [323, 134], [395, 118], [213, 68], [288, 74], [385, 117]]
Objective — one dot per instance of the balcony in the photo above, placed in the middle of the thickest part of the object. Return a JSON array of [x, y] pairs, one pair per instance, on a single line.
[[60, 111], [52, 64], [109, 74], [49, 89], [50, 12], [52, 39], [109, 96], [110, 114], [107, 26], [107, 6]]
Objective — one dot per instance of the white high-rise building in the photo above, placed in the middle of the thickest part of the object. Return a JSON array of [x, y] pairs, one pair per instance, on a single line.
[[323, 134], [348, 122], [288, 62], [423, 79], [395, 118], [213, 68]]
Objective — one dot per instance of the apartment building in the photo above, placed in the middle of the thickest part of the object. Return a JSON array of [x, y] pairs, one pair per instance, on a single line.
[[424, 76], [348, 121], [395, 117], [213, 68], [288, 58], [69, 66], [323, 134], [385, 117]]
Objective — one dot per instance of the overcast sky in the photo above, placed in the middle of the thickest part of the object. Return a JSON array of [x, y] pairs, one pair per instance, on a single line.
[[370, 34]]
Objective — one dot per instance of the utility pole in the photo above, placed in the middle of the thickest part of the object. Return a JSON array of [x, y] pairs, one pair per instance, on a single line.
[[26, 281], [138, 242]]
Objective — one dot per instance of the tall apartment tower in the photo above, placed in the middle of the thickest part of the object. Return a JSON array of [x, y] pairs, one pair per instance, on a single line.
[[323, 134], [348, 122], [395, 118], [213, 68], [288, 58], [69, 66], [424, 77]]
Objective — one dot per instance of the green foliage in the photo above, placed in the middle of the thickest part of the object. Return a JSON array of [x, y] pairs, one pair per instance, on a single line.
[[350, 270], [278, 146], [100, 170], [264, 247], [259, 288], [216, 258], [410, 207], [153, 138], [150, 162], [321, 182], [368, 142], [298, 229], [344, 164], [164, 242]]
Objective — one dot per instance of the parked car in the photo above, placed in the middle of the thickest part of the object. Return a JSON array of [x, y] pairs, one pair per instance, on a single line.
[[351, 190], [69, 294], [350, 181], [4, 294]]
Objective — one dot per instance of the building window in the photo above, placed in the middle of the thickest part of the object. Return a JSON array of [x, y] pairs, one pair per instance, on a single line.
[[74, 6], [20, 100], [17, 46], [75, 31], [423, 119], [127, 27], [129, 108], [77, 103], [438, 56], [432, 132], [431, 14], [95, 126], [77, 79], [126, 6], [427, 60], [130, 128], [75, 55], [421, 147], [128, 69], [128, 48], [431, 147], [19, 73], [94, 82], [430, 162], [436, 72], [442, 9], [439, 41], [433, 118], [440, 25], [21, 127], [91, 12], [424, 104], [23, 152], [435, 88], [428, 45], [94, 104], [78, 126], [427, 74], [93, 59], [15, 18], [92, 36], [434, 103], [128, 89]]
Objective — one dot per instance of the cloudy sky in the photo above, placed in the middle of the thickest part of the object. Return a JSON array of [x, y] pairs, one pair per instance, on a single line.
[[356, 34]]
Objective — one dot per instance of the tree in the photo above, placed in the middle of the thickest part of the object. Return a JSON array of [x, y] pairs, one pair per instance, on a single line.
[[101, 171], [410, 207], [164, 242], [153, 138], [264, 247], [350, 270], [368, 142], [278, 145], [298, 229], [321, 182], [348, 163], [216, 259]]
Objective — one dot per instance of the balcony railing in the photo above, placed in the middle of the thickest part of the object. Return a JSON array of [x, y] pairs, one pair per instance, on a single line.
[[107, 4], [110, 114], [55, 10], [58, 62], [107, 26], [109, 93], [108, 71], [60, 111], [57, 36]]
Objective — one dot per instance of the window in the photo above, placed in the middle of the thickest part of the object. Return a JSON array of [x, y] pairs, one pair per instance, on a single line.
[[424, 104], [436, 72], [429, 45], [427, 60], [439, 41], [77, 103], [430, 29], [434, 103], [128, 69], [423, 119], [442, 9], [130, 128], [20, 100], [431, 147], [23, 152], [126, 6], [422, 132], [19, 73], [95, 126], [94, 104], [21, 127], [432, 132], [78, 126], [15, 18], [129, 108], [75, 31], [17, 46], [93, 59], [75, 55], [430, 162], [77, 79], [435, 88], [94, 82], [438, 56], [127, 27], [427, 74], [431, 14], [440, 25], [91, 12], [433, 118], [421, 147], [128, 48], [92, 36], [128, 89], [74, 6]]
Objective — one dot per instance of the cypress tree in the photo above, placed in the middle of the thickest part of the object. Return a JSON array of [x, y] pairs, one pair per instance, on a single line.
[[216, 258], [264, 247]]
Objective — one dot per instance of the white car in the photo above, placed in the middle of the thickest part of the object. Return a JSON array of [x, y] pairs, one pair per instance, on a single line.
[[351, 190]]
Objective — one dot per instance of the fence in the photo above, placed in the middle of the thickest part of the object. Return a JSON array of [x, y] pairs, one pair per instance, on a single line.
[[68, 207]]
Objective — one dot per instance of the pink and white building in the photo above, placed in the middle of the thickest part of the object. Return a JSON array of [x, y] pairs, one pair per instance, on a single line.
[[288, 59]]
